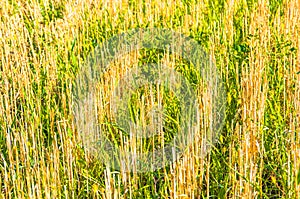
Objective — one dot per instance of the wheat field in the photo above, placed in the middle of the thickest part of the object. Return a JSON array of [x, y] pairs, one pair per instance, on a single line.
[[255, 45]]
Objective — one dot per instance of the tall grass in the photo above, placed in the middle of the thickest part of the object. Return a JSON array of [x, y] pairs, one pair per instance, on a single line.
[[255, 45]]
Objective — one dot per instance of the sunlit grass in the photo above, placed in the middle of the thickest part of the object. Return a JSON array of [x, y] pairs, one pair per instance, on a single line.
[[255, 45]]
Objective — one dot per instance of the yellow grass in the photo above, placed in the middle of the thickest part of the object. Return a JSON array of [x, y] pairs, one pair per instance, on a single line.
[[43, 45]]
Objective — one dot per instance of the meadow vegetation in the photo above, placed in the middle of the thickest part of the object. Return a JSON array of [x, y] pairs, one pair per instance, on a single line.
[[254, 44]]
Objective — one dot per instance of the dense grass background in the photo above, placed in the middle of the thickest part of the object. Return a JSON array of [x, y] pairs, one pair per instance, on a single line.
[[255, 45]]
